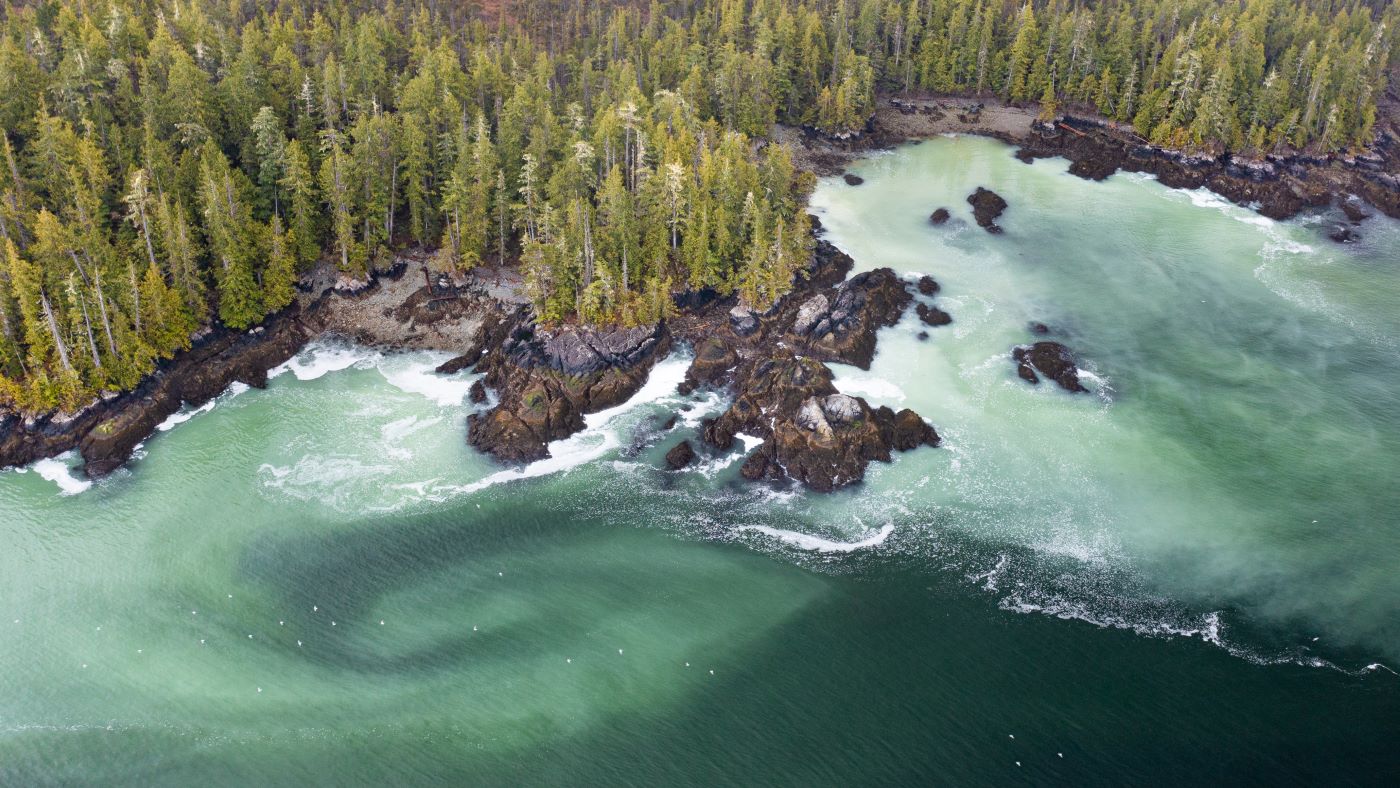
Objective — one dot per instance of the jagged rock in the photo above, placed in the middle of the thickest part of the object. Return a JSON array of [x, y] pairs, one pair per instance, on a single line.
[[477, 393], [743, 320], [987, 205], [1051, 359], [928, 285], [680, 455], [939, 216], [852, 179], [548, 380], [811, 311], [843, 327], [933, 316], [812, 433]]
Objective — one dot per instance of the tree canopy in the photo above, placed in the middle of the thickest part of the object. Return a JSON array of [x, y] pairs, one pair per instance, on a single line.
[[168, 164]]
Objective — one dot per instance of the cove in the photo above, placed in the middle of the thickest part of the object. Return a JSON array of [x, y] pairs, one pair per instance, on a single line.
[[1188, 571]]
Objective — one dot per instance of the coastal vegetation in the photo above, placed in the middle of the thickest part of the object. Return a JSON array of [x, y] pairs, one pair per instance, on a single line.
[[175, 164]]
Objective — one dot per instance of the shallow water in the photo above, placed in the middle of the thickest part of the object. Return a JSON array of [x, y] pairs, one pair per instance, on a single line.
[[1189, 572]]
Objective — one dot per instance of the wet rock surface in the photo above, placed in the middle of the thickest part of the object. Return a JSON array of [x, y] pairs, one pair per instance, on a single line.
[[680, 455], [1278, 187], [548, 380], [987, 207], [852, 179], [939, 216], [933, 316], [928, 286], [1051, 359], [841, 325]]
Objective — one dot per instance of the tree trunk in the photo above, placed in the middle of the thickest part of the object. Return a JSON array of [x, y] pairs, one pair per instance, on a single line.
[[53, 331], [106, 323], [87, 325]]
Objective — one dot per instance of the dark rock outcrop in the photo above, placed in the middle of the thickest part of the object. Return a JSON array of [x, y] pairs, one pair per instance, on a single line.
[[1278, 187], [477, 393], [1051, 359], [933, 316], [939, 216], [928, 286], [840, 325], [680, 455], [987, 206], [548, 380], [852, 179], [812, 433]]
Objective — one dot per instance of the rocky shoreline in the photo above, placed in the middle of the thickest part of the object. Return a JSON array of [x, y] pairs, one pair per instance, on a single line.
[[1278, 187], [772, 365]]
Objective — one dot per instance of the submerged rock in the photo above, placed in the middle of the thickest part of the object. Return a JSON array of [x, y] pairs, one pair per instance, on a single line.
[[987, 206], [1051, 359], [1343, 234], [852, 179]]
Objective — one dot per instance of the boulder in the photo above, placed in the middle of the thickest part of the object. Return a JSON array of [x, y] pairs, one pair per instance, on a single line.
[[939, 216], [680, 455], [841, 408], [987, 206], [477, 393], [928, 286], [1343, 234], [1051, 359], [743, 320], [1355, 209], [852, 179], [811, 311], [933, 316]]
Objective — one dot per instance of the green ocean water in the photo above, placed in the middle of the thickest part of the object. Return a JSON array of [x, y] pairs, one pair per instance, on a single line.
[[1191, 574]]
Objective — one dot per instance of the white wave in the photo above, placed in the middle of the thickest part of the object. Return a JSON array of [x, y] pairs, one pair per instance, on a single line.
[[58, 471], [320, 358], [820, 544], [417, 377], [183, 415]]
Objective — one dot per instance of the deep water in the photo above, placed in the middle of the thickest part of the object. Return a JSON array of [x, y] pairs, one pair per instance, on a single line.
[[1191, 574]]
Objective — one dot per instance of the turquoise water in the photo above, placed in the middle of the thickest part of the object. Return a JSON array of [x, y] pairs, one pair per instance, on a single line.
[[1189, 574]]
